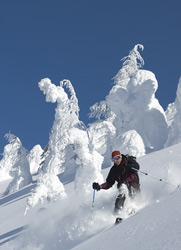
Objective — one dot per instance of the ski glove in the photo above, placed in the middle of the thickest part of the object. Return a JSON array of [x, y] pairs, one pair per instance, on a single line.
[[96, 186]]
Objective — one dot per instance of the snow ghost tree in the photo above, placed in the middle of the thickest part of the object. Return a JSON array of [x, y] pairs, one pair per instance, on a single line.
[[64, 145], [66, 116], [136, 108], [131, 143], [15, 164], [131, 65], [101, 135], [89, 161], [7, 161], [131, 105], [174, 135], [34, 158]]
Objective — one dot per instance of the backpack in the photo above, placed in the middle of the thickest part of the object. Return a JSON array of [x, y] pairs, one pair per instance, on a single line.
[[132, 159]]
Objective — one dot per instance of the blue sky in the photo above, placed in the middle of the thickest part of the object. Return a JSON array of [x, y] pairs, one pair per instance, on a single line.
[[82, 41]]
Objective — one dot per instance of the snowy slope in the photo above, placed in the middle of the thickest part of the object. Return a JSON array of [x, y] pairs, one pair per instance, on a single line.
[[156, 227], [74, 224]]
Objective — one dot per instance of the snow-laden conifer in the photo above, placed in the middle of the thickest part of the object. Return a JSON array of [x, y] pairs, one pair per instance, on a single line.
[[174, 135], [66, 116], [89, 160], [131, 64], [101, 135], [49, 188], [34, 158], [15, 164], [9, 154], [68, 141], [136, 108], [130, 143], [131, 105]]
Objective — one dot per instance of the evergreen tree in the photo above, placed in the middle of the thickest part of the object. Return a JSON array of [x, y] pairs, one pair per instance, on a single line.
[[15, 164], [174, 134], [131, 64]]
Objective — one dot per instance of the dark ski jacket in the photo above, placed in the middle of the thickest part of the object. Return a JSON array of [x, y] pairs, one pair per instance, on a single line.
[[123, 174]]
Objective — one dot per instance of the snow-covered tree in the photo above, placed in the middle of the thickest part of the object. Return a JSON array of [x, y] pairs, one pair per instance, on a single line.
[[136, 108], [100, 109], [130, 143], [174, 135], [89, 161], [9, 154], [15, 164], [48, 188], [131, 104], [170, 113], [66, 117], [34, 158], [101, 135], [131, 64], [66, 143]]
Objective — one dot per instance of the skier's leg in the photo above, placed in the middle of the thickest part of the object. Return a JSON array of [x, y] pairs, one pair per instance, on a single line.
[[120, 200], [133, 192], [119, 203]]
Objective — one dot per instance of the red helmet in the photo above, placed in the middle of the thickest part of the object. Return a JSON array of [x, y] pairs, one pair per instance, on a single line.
[[116, 153]]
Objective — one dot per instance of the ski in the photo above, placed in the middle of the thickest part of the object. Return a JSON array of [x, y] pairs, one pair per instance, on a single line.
[[118, 220]]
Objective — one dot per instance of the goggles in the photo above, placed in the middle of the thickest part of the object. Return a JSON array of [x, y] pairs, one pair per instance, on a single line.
[[116, 158]]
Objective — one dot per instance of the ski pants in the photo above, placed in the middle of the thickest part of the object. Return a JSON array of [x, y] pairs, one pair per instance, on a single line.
[[123, 192]]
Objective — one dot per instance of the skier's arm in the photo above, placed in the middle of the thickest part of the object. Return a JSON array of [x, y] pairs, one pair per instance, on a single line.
[[110, 180], [105, 185]]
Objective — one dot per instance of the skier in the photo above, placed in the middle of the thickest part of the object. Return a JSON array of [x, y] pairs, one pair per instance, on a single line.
[[123, 173]]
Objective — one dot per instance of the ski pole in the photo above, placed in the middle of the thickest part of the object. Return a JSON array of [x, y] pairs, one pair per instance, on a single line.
[[93, 198], [156, 178]]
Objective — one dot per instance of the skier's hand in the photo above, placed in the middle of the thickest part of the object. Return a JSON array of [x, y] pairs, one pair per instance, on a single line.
[[96, 186]]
